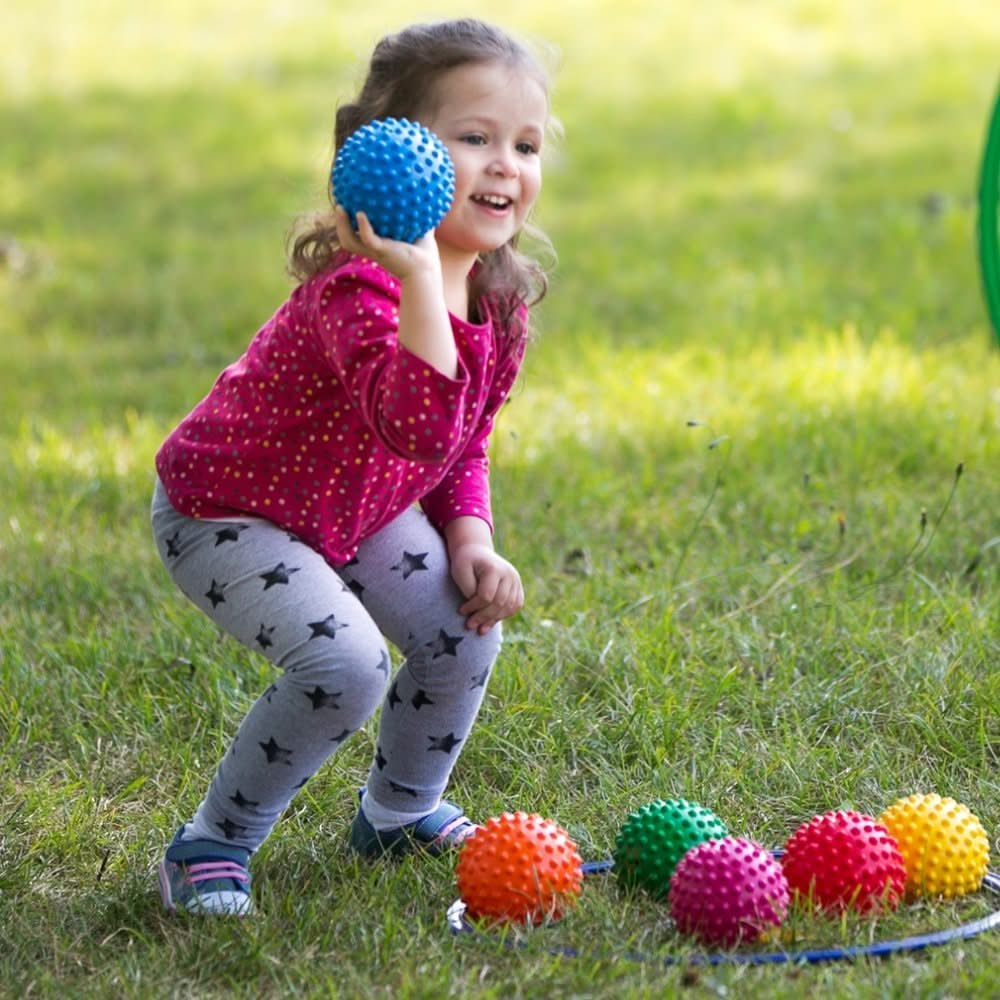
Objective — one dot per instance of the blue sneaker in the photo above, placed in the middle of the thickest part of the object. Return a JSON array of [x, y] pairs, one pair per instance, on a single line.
[[203, 876], [436, 833]]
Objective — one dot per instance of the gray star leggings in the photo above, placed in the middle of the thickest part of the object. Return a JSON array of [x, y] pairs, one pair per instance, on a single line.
[[325, 628]]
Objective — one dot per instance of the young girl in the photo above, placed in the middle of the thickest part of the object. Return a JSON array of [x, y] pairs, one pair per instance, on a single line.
[[286, 501]]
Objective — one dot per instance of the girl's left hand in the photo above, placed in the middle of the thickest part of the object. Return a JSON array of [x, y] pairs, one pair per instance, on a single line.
[[491, 585]]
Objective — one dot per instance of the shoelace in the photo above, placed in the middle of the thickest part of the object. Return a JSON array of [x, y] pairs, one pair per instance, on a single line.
[[453, 831], [206, 871]]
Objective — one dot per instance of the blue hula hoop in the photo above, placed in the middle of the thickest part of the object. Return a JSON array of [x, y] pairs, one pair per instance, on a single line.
[[459, 924]]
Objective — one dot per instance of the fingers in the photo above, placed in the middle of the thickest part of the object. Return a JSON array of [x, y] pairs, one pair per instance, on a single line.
[[364, 240], [401, 259], [368, 235], [498, 596], [464, 575]]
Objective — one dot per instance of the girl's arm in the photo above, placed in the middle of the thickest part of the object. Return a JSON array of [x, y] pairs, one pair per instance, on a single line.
[[424, 324]]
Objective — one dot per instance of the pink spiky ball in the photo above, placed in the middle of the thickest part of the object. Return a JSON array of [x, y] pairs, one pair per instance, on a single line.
[[727, 891], [845, 860]]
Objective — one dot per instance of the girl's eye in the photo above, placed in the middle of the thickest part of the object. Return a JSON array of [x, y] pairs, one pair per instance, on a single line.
[[528, 148], [474, 140]]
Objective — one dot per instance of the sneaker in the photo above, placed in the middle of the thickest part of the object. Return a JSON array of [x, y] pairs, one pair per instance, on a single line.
[[436, 833], [203, 876]]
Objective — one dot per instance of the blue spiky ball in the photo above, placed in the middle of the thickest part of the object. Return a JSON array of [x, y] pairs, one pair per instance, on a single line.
[[399, 174]]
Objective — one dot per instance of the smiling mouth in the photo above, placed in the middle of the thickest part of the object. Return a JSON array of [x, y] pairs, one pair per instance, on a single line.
[[494, 201]]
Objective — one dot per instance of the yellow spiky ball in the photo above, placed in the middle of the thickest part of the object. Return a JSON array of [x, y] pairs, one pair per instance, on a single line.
[[944, 846]]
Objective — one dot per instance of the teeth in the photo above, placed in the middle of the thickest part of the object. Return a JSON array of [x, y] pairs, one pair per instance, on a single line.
[[495, 200]]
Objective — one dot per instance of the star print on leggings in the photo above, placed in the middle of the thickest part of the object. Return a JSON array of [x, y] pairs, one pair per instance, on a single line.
[[215, 594], [402, 789], [393, 699], [380, 760], [444, 644], [241, 801], [357, 589], [276, 754], [280, 574], [383, 664], [273, 689], [341, 736], [410, 563], [174, 545], [263, 636], [326, 629], [443, 743], [230, 533], [420, 698], [479, 680], [323, 699], [230, 829]]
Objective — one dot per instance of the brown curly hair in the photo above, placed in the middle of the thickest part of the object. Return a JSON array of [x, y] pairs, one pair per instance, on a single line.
[[403, 69]]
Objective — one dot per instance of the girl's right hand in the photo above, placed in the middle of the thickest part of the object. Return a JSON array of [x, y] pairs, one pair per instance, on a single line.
[[404, 260], [424, 325]]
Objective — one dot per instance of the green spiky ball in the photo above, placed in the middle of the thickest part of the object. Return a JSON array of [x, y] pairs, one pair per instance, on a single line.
[[654, 838]]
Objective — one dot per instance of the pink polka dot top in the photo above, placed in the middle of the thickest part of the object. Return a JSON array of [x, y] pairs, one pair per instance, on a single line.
[[329, 428]]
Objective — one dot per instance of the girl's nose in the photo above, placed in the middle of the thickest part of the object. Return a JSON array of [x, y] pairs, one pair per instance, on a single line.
[[504, 164]]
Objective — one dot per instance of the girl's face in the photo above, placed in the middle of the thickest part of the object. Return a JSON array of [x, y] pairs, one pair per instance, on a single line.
[[492, 118]]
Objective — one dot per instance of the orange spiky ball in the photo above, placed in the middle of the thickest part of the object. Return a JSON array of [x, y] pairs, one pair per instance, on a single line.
[[944, 846], [519, 868]]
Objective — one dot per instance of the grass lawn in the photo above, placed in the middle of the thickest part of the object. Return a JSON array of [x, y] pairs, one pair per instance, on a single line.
[[750, 478]]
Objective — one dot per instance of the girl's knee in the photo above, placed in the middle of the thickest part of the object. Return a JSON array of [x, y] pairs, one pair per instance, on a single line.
[[358, 674], [442, 656]]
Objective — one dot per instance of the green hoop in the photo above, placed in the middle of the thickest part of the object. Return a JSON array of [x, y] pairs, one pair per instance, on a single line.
[[989, 219]]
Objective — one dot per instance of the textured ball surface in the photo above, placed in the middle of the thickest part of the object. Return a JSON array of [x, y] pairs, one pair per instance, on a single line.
[[843, 860], [945, 849], [518, 868], [728, 891], [656, 836], [399, 174]]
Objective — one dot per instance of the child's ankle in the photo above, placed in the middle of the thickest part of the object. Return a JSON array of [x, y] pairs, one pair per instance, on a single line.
[[383, 818]]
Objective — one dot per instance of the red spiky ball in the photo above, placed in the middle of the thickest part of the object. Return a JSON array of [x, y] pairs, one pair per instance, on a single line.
[[519, 868], [845, 860], [727, 891]]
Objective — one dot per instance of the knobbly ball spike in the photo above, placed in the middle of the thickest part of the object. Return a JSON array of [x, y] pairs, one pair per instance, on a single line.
[[399, 174], [656, 836], [728, 891], [945, 849], [518, 868], [845, 860]]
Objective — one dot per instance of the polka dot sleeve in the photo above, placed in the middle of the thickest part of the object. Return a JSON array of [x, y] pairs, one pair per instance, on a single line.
[[465, 489], [415, 411]]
